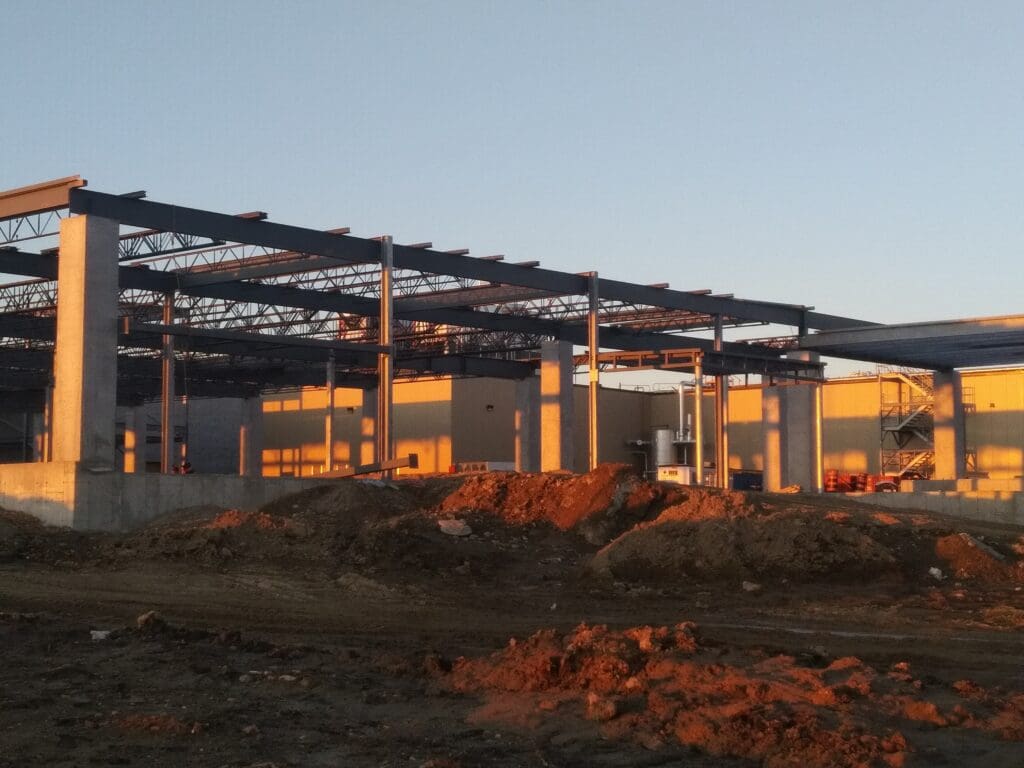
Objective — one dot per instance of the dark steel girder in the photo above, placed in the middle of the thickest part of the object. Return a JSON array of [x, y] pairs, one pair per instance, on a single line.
[[45, 265], [347, 249]]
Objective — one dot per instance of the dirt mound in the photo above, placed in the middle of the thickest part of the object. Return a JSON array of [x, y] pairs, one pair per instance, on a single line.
[[969, 558], [740, 544], [311, 527], [599, 505], [653, 684], [712, 534]]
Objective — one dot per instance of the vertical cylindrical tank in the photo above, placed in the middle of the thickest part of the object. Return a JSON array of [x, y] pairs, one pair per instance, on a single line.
[[663, 448]]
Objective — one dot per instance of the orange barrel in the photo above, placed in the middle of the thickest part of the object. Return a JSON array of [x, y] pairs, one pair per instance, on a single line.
[[831, 480], [869, 486], [860, 482]]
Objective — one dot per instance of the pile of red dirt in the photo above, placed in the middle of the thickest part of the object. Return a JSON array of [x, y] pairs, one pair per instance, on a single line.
[[969, 558], [599, 505], [655, 685]]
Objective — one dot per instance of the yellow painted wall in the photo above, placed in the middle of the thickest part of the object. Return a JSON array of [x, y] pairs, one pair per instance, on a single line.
[[446, 421], [294, 422], [423, 423], [746, 438], [996, 427], [851, 430]]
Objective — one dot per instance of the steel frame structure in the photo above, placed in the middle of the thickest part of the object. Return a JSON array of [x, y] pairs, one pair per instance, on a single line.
[[247, 305]]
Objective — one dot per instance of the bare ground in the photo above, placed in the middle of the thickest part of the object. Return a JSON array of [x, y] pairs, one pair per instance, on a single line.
[[576, 622]]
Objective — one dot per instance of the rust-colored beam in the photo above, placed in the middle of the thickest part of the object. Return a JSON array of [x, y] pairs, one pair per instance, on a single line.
[[38, 198]]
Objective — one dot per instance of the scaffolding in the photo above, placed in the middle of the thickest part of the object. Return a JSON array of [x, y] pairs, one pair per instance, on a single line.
[[907, 421]]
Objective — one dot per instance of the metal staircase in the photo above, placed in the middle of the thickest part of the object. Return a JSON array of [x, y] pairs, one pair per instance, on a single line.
[[907, 423], [907, 417]]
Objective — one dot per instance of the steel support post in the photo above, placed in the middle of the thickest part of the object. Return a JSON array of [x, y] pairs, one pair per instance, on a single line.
[[167, 392], [721, 416], [819, 441], [250, 438], [594, 379], [385, 359], [698, 426], [329, 416], [48, 423]]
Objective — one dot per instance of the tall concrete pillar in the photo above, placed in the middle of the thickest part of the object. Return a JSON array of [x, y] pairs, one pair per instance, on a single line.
[[367, 449], [556, 406], [85, 361], [791, 420], [950, 446], [134, 440], [250, 438], [527, 423]]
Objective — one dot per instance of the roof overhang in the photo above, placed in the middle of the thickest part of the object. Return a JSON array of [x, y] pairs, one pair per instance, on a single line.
[[942, 345]]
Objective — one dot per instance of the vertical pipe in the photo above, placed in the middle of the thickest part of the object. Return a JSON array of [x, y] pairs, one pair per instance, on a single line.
[[167, 392], [329, 416], [681, 397], [698, 426], [385, 360], [594, 381]]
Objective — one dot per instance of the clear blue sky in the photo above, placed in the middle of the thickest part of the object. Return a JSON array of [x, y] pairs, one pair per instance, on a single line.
[[866, 158]]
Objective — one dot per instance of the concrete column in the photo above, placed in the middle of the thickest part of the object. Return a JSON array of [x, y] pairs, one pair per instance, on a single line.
[[527, 423], [950, 446], [556, 406], [250, 438], [85, 363], [134, 440], [366, 451], [791, 420]]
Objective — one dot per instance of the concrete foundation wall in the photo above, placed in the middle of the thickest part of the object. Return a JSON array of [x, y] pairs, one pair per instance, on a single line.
[[990, 506], [65, 494]]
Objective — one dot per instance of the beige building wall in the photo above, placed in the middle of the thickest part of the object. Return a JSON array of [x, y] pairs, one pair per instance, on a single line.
[[623, 414], [483, 420], [447, 421], [293, 427]]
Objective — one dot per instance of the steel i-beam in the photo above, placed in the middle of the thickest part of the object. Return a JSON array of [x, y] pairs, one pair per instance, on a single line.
[[721, 416], [167, 391], [385, 359], [594, 378], [329, 417], [698, 426]]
